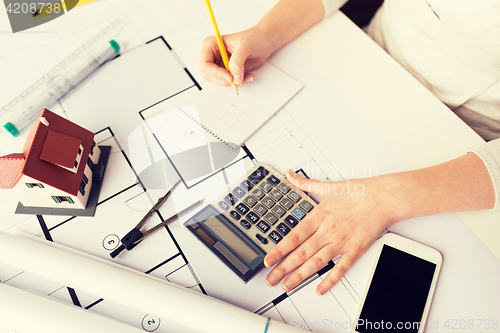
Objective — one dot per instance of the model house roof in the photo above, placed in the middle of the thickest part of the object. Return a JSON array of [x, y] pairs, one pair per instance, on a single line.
[[54, 143], [11, 167]]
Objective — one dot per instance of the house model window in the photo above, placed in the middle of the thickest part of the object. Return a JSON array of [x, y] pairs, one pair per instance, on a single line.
[[62, 150]]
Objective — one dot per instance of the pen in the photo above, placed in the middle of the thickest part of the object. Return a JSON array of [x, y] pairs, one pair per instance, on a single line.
[[61, 87], [220, 42]]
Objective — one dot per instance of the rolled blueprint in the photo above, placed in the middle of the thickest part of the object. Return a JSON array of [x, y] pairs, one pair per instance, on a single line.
[[25, 312], [177, 306]]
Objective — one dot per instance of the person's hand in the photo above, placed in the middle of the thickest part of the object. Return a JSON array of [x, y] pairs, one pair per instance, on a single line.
[[351, 216], [246, 50]]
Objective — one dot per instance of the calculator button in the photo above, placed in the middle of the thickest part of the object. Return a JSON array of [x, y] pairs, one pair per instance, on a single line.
[[298, 213], [262, 239], [242, 209], [286, 203], [270, 218], [261, 210], [268, 202], [273, 180], [283, 229], [291, 221], [258, 194], [278, 211], [239, 192], [252, 217], [263, 226], [223, 205], [245, 224], [294, 196], [246, 185], [276, 195], [306, 206], [283, 188], [230, 199], [266, 187], [235, 215], [250, 201], [275, 237], [258, 175]]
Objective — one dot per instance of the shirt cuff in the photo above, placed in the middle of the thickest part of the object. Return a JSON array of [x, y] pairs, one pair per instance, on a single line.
[[489, 153], [331, 6]]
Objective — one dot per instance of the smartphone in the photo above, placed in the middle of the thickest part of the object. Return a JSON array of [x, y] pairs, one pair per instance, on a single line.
[[400, 288]]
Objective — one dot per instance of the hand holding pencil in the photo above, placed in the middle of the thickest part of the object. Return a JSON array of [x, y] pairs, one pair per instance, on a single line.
[[247, 49]]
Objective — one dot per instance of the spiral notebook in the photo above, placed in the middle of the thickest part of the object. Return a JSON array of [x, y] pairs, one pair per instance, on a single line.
[[232, 118]]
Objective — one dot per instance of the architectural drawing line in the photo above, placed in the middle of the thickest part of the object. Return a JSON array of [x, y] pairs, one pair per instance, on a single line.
[[45, 230], [163, 100], [94, 304], [74, 297], [161, 264]]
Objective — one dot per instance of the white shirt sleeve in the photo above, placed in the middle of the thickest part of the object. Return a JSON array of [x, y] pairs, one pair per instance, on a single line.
[[332, 6], [490, 154]]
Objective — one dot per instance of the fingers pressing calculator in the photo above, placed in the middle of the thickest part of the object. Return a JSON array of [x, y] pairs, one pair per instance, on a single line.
[[241, 226]]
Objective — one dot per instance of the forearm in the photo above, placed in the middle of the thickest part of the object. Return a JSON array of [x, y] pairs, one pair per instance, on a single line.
[[462, 184], [288, 19]]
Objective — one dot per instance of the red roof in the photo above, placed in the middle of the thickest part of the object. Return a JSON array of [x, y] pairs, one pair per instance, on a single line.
[[10, 169], [60, 149], [47, 172]]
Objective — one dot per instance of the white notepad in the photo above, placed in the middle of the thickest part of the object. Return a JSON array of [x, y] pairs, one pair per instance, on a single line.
[[232, 118]]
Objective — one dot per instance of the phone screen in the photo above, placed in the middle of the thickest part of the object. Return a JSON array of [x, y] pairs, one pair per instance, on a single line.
[[397, 294]]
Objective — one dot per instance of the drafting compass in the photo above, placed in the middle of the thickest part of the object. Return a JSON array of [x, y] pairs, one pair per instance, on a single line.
[[130, 240]]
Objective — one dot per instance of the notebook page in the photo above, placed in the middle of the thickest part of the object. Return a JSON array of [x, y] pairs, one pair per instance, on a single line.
[[235, 118]]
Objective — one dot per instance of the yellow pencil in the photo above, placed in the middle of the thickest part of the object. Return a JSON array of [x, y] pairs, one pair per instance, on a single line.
[[220, 42]]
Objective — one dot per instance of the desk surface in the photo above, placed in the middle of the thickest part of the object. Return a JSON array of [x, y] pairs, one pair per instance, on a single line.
[[418, 128]]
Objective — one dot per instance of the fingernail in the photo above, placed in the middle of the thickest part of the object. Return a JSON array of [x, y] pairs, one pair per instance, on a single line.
[[320, 291], [250, 79], [271, 281], [269, 263], [287, 286], [237, 79]]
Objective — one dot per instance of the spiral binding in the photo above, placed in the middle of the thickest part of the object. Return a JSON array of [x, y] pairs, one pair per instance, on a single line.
[[206, 129]]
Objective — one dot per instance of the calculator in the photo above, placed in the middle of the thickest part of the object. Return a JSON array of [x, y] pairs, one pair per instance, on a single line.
[[243, 224]]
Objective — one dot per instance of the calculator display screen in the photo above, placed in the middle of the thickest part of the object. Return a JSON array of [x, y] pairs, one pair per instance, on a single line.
[[231, 239]]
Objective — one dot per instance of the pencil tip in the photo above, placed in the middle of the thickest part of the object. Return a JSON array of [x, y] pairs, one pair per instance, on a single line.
[[235, 89]]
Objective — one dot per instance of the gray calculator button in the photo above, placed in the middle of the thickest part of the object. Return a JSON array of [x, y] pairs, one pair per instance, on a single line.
[[273, 180], [283, 229], [266, 187], [261, 210], [250, 201], [245, 224], [286, 203], [252, 217], [275, 237], [223, 205], [258, 194], [271, 218], [283, 188], [278, 211], [276, 195], [239, 192], [263, 226], [294, 196], [246, 185], [268, 202], [307, 206]]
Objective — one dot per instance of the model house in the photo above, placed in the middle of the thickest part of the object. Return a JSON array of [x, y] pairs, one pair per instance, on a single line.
[[55, 167]]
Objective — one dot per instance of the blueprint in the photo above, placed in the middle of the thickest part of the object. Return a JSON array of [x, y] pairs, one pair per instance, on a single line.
[[129, 103]]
